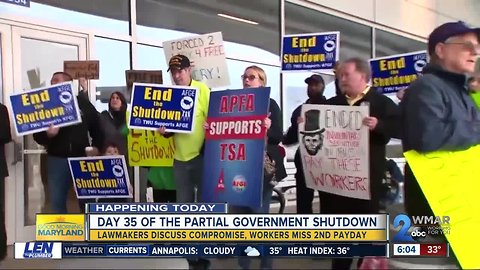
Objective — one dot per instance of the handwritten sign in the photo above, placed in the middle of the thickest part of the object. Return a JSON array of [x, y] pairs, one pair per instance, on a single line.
[[156, 105], [207, 56], [37, 109], [449, 181], [318, 51], [334, 149], [100, 177], [147, 148], [143, 76], [393, 73], [89, 70]]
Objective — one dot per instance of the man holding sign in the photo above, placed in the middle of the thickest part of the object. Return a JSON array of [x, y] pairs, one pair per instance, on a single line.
[[69, 141], [188, 160], [354, 75], [438, 113]]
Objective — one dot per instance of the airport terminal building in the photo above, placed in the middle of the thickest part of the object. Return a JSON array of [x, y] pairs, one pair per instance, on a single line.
[[36, 39]]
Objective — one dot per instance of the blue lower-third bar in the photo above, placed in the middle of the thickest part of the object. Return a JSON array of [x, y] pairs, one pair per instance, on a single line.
[[223, 250]]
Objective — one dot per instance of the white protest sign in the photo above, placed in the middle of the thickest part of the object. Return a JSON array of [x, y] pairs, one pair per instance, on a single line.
[[207, 57], [334, 149]]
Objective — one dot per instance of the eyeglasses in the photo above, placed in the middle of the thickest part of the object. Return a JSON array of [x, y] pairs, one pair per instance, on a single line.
[[249, 77], [467, 46]]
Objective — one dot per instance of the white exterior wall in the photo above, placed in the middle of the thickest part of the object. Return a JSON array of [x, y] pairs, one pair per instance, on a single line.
[[417, 17]]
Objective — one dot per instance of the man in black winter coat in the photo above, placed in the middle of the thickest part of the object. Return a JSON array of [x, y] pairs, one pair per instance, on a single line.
[[5, 137], [315, 89], [70, 141], [383, 123]]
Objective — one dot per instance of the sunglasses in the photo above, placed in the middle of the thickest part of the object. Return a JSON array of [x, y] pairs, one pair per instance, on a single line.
[[467, 46], [249, 77]]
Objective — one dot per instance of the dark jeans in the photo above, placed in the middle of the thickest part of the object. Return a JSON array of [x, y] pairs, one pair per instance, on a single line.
[[3, 231], [188, 176], [345, 264], [304, 194], [59, 183], [164, 196]]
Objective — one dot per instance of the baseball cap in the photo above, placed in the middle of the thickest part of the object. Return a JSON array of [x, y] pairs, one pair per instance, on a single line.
[[178, 62], [315, 79], [447, 30]]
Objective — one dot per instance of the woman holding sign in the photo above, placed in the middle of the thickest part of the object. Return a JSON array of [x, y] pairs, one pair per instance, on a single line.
[[254, 77]]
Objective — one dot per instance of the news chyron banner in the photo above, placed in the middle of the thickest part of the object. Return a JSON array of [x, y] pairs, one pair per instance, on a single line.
[[308, 52], [235, 145], [209, 223], [59, 250], [396, 72], [36, 110], [155, 105], [100, 177], [60, 227]]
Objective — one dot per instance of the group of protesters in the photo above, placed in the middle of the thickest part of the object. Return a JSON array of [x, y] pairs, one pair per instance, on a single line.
[[438, 111]]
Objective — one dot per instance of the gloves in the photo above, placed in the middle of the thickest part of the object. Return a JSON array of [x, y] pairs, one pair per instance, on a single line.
[[124, 131]]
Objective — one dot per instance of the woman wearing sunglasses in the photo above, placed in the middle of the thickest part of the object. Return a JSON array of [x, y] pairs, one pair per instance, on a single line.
[[255, 77]]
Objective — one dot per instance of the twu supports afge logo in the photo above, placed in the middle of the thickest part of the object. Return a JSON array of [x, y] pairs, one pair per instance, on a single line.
[[421, 227]]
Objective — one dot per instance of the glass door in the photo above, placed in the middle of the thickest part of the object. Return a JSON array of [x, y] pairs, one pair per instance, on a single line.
[[37, 54]]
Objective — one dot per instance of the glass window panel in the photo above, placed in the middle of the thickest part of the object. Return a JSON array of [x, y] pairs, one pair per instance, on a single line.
[[152, 58], [259, 29], [355, 38], [39, 60], [114, 57], [111, 16], [390, 44]]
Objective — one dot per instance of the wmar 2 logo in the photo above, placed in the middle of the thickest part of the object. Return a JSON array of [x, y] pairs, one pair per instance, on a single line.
[[423, 226]]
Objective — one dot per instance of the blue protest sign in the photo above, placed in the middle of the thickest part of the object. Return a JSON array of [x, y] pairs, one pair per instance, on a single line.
[[235, 143], [37, 109], [23, 3], [393, 73], [305, 52], [100, 177], [155, 105]]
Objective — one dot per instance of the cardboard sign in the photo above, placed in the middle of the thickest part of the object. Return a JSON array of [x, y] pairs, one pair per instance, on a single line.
[[143, 76], [207, 57], [334, 147], [148, 148], [82, 69], [450, 183]]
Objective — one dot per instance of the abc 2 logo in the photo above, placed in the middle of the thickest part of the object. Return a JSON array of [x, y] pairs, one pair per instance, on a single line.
[[403, 234]]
